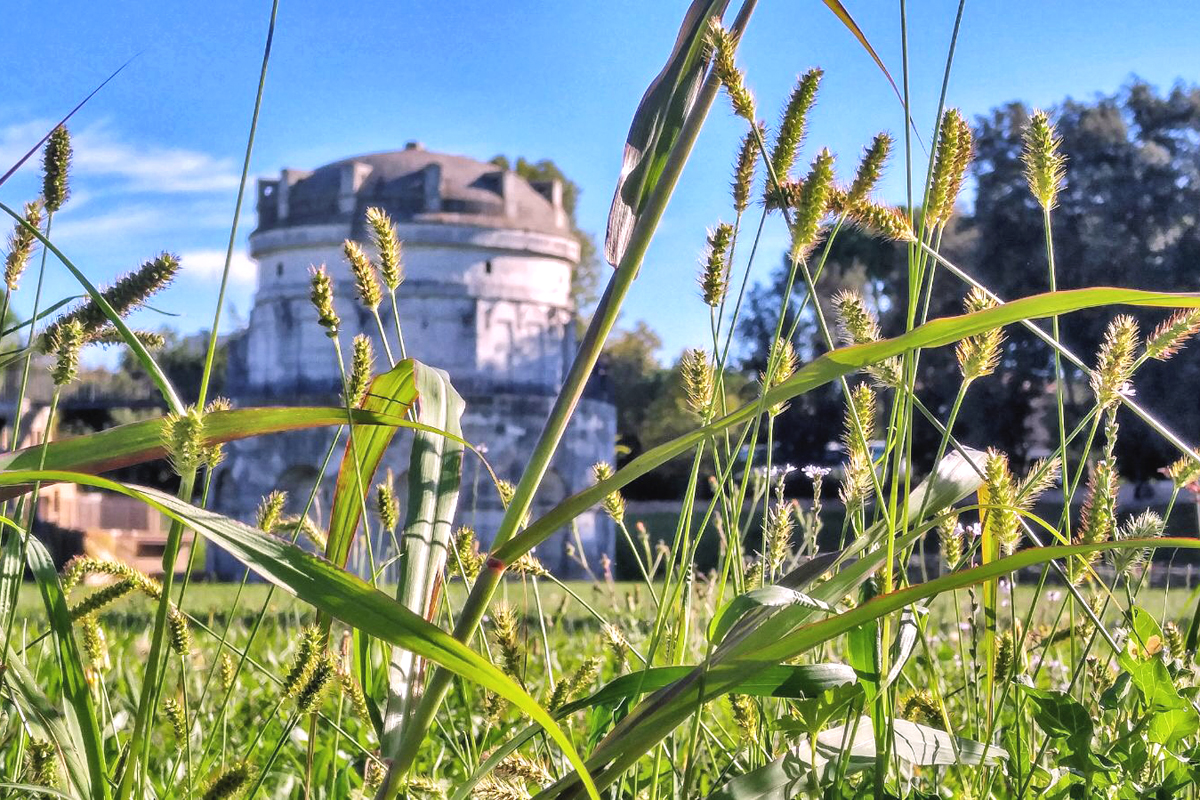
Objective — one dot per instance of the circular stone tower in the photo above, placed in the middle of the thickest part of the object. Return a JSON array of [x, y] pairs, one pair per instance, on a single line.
[[486, 296]]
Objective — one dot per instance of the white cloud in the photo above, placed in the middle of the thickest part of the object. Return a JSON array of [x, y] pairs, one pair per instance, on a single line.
[[100, 151], [209, 264], [119, 221]]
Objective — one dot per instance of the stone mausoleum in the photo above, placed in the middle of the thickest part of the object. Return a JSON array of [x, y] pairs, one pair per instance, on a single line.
[[487, 258]]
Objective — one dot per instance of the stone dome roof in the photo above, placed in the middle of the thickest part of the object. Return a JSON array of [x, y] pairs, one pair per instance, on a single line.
[[413, 185]]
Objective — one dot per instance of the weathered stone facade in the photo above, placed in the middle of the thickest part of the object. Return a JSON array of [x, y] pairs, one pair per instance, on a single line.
[[486, 296]]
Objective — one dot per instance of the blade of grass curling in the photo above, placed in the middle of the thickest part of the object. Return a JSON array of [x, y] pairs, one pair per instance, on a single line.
[[332, 591], [656, 125], [434, 477], [70, 665]]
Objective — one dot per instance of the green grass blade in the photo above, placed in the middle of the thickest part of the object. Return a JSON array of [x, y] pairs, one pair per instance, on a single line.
[[392, 393], [657, 123], [70, 666], [37, 708], [434, 477], [831, 366], [139, 442]]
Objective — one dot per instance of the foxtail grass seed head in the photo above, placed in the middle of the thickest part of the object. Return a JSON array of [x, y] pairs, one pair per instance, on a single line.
[[529, 564], [870, 169], [387, 505], [270, 511], [1173, 639], [387, 244], [1146, 525], [919, 706], [95, 644], [812, 205], [130, 292], [56, 168], [714, 275], [352, 690], [978, 356], [962, 162], [174, 712], [102, 597], [945, 162], [614, 504], [1000, 519], [1045, 165], [857, 325], [577, 683], [878, 219], [41, 764], [745, 715], [777, 533], [857, 483], [312, 643], [1185, 470], [109, 335], [179, 634], [1005, 657], [507, 491], [80, 567], [214, 454], [366, 280], [794, 122], [783, 358], [68, 340], [1115, 361], [184, 440], [466, 551], [362, 361], [1097, 518], [1042, 477], [725, 65], [493, 788], [505, 631], [322, 300], [229, 783], [616, 641], [1172, 334], [754, 576], [743, 169], [21, 244], [951, 540], [228, 671], [521, 769], [310, 694], [699, 380]]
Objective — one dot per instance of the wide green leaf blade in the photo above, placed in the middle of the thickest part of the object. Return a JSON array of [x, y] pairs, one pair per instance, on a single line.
[[332, 591], [392, 393], [37, 708], [139, 442], [434, 477], [70, 665]]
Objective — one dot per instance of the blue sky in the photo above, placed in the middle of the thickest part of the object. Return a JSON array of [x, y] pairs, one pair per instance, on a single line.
[[160, 148]]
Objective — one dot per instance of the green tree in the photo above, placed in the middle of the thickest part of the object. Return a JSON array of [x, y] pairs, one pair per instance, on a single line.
[[585, 280], [1127, 217]]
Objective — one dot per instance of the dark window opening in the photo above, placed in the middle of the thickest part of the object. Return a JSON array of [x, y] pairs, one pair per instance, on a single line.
[[487, 267], [279, 270]]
